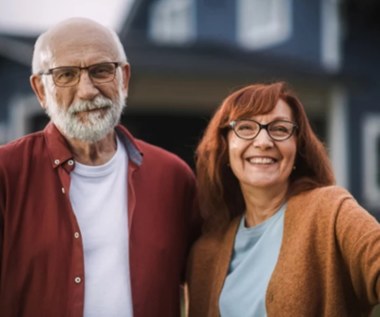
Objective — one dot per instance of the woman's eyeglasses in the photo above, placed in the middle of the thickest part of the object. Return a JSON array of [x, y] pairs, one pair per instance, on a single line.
[[248, 129]]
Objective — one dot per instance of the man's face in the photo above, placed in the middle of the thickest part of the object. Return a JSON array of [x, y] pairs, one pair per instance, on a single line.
[[89, 109]]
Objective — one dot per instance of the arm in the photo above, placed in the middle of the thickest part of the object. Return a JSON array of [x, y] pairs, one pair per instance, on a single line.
[[2, 210], [358, 235], [193, 218]]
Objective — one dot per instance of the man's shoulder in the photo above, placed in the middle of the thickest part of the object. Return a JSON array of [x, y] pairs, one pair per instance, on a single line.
[[21, 144], [160, 155], [16, 154], [150, 148]]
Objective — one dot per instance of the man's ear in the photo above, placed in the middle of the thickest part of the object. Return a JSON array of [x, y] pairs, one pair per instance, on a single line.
[[39, 89], [126, 70]]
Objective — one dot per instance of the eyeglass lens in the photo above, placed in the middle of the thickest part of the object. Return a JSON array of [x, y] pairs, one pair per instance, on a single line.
[[99, 73], [277, 130]]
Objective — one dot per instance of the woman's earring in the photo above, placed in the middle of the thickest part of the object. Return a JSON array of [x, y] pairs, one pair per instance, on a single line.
[[294, 167]]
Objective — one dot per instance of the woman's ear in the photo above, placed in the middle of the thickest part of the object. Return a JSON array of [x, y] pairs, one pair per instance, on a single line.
[[39, 89]]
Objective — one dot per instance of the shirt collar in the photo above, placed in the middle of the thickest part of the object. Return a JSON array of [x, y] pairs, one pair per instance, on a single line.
[[59, 150], [60, 153], [135, 154]]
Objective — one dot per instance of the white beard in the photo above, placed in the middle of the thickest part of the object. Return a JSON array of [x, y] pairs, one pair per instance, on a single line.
[[96, 125]]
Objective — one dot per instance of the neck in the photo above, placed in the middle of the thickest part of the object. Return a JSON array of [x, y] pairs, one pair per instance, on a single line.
[[96, 153], [261, 204]]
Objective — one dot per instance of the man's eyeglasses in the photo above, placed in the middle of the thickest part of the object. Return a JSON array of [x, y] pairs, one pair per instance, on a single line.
[[67, 76], [278, 130]]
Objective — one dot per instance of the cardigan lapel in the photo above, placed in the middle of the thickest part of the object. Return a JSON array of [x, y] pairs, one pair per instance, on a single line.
[[222, 263]]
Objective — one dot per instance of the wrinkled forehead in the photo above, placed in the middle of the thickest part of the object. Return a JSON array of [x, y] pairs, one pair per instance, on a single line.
[[76, 42]]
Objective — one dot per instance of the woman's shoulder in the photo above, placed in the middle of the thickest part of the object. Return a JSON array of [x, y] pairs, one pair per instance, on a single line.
[[319, 203], [328, 195]]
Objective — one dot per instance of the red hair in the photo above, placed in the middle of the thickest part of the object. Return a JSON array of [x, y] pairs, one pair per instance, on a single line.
[[219, 190]]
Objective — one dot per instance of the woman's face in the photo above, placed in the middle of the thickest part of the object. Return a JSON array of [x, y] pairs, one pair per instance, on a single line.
[[263, 163]]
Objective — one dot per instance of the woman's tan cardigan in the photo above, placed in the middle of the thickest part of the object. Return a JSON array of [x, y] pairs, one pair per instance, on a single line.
[[329, 261]]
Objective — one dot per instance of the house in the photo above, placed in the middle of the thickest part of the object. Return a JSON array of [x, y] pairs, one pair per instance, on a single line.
[[187, 55], [15, 91]]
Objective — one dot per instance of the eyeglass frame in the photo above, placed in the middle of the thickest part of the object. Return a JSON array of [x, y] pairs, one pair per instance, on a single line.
[[232, 124], [50, 72]]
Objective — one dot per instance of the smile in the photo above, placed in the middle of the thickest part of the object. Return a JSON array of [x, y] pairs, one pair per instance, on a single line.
[[261, 160]]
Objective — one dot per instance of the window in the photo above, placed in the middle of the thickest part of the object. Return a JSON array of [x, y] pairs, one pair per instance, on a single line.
[[371, 160], [262, 24], [172, 21], [331, 34], [21, 111], [338, 127]]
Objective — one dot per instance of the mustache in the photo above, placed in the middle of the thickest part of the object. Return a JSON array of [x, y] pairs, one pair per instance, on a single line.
[[99, 102]]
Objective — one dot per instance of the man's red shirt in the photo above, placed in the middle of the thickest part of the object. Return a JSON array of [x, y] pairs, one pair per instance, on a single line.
[[42, 269]]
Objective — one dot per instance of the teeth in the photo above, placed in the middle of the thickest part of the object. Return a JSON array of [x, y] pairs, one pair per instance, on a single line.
[[261, 160]]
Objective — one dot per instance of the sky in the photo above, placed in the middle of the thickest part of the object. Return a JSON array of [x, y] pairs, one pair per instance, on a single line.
[[31, 17]]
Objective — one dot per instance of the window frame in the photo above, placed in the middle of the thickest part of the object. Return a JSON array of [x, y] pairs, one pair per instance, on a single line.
[[163, 16], [277, 30], [371, 159]]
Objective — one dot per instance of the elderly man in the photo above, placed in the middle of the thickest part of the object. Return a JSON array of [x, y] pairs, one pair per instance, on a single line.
[[92, 221]]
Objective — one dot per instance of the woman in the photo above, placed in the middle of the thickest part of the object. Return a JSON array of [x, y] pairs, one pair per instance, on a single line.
[[280, 239]]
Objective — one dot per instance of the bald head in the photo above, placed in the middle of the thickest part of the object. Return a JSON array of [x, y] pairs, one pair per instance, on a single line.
[[77, 38]]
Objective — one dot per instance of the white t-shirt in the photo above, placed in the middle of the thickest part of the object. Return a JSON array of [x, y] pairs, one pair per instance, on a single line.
[[99, 198]]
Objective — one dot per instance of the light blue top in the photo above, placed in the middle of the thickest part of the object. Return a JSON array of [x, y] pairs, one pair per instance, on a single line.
[[253, 260]]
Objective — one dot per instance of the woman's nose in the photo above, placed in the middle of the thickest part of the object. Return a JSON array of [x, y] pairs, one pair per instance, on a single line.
[[262, 139]]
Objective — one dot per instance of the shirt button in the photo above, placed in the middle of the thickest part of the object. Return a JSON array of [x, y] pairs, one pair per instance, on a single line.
[[77, 280], [56, 162], [76, 235], [70, 162]]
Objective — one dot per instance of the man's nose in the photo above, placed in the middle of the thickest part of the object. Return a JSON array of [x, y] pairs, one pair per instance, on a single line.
[[86, 89]]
